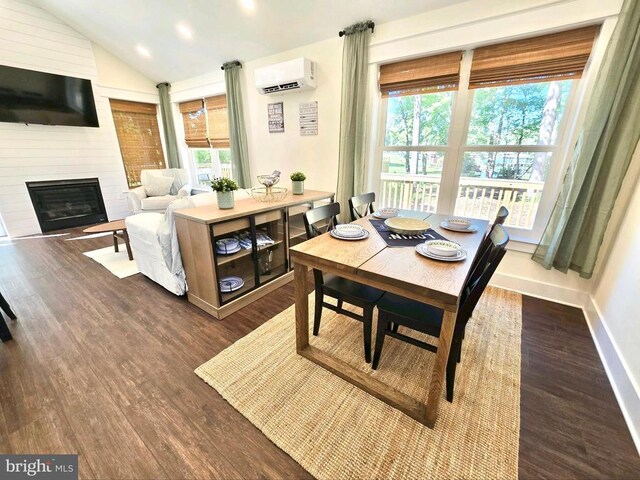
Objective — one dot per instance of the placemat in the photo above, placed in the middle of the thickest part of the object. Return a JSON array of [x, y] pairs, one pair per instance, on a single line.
[[397, 240]]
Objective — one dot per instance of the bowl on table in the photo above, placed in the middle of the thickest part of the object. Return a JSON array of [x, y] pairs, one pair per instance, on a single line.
[[458, 223], [443, 248], [349, 230], [386, 212], [407, 226]]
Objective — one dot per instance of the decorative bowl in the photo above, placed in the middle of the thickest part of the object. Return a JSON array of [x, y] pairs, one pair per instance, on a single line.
[[443, 248], [269, 180], [268, 194], [407, 226], [460, 223]]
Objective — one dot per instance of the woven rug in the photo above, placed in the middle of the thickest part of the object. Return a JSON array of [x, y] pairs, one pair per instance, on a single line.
[[335, 430]]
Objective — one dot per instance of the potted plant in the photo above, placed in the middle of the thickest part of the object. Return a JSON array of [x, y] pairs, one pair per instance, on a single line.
[[224, 188], [297, 183]]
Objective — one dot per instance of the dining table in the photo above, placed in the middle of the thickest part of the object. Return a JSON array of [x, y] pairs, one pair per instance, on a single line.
[[400, 270]]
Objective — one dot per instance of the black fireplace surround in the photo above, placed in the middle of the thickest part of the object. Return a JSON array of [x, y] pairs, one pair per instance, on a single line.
[[67, 203]]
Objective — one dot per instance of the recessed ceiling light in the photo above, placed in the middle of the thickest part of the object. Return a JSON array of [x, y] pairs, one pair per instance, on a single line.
[[143, 51], [248, 4], [184, 31]]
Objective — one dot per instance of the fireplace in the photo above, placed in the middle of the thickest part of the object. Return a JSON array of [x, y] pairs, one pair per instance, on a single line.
[[67, 203]]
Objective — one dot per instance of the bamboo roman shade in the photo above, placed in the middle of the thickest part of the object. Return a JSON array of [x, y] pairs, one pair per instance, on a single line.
[[206, 122], [194, 118], [558, 56], [217, 121], [138, 136], [421, 75]]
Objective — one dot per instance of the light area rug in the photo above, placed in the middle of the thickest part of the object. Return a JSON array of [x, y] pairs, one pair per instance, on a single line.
[[335, 430], [117, 263]]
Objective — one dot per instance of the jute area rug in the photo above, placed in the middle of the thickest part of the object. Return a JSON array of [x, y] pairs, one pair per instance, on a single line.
[[335, 430]]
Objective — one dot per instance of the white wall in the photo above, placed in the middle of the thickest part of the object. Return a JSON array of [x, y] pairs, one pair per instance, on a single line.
[[613, 311], [32, 38]]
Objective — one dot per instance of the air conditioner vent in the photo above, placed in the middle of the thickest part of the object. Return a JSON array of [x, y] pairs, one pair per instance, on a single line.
[[293, 75]]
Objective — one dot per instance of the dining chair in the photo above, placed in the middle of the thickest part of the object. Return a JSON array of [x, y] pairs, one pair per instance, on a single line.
[[343, 290], [361, 205], [395, 311], [5, 334]]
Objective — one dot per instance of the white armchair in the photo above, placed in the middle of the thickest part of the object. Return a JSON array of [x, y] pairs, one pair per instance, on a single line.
[[140, 200]]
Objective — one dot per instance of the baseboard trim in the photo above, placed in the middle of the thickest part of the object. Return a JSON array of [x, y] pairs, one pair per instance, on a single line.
[[545, 291], [624, 388]]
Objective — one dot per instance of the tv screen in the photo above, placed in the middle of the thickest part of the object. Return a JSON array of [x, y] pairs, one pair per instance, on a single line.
[[27, 96]]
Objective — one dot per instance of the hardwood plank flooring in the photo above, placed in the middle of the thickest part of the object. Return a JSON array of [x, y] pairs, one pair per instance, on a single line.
[[104, 367]]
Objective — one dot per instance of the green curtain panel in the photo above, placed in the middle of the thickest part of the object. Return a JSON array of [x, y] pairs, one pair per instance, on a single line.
[[237, 132], [170, 141], [351, 159], [601, 157]]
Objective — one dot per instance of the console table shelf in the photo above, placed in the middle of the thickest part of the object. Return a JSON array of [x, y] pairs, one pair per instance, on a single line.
[[262, 268]]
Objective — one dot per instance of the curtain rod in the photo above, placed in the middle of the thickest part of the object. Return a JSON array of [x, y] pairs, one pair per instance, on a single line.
[[235, 62], [369, 23]]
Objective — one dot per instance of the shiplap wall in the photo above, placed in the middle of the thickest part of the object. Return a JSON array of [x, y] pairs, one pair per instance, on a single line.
[[34, 39]]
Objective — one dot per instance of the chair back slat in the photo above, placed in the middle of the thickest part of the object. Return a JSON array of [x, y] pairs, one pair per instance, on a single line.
[[361, 205], [482, 270], [317, 215]]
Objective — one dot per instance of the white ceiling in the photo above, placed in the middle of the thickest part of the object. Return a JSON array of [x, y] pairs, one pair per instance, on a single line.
[[222, 29]]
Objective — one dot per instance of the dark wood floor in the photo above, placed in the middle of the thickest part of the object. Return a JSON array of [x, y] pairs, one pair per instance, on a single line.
[[104, 367]]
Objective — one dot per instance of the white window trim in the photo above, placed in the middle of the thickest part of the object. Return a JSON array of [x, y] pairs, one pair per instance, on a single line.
[[461, 110]]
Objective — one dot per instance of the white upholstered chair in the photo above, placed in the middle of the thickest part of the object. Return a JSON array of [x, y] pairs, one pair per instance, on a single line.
[[152, 197]]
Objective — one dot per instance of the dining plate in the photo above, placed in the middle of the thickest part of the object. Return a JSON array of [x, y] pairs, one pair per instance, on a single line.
[[334, 234], [228, 251], [446, 226], [230, 284], [422, 250], [407, 226], [349, 230]]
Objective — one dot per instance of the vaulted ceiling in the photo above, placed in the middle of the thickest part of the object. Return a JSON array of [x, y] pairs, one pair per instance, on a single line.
[[153, 35]]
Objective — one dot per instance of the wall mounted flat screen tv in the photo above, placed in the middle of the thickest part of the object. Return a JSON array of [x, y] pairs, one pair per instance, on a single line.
[[27, 96]]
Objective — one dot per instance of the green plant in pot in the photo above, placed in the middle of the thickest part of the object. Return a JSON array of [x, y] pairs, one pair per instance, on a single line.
[[224, 188], [297, 183]]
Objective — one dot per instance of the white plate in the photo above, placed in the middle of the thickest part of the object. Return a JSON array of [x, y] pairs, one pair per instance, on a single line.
[[471, 229], [349, 230], [335, 235], [229, 251], [230, 284], [407, 226], [422, 250]]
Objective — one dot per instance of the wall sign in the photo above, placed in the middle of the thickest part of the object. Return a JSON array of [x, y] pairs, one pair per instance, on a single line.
[[276, 117], [309, 118]]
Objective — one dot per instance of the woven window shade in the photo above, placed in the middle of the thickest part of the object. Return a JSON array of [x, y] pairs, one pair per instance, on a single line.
[[139, 138], [558, 56], [421, 75], [217, 121], [194, 118]]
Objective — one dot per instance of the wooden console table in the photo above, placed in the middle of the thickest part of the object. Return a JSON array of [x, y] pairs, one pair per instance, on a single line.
[[259, 269]]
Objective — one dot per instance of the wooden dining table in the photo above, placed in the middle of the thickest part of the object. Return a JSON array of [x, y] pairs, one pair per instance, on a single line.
[[400, 270]]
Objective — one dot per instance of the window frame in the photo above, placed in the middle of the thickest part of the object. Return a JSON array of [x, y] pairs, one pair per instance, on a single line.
[[461, 109], [215, 171]]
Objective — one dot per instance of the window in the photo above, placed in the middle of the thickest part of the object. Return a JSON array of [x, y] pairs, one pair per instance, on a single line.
[[468, 147], [210, 163], [138, 136], [207, 136]]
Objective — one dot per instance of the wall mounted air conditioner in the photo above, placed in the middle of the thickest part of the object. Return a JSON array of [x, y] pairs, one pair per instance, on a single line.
[[291, 76]]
